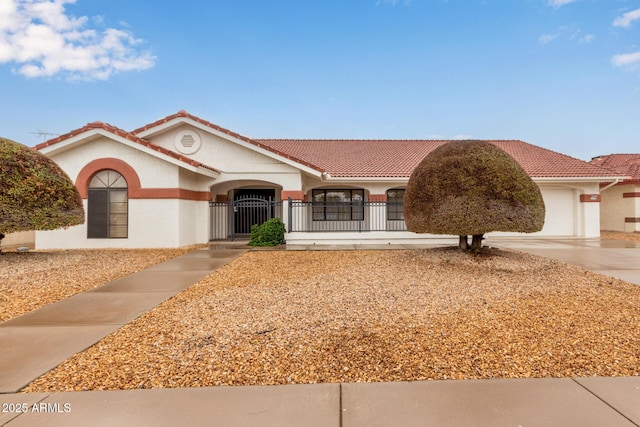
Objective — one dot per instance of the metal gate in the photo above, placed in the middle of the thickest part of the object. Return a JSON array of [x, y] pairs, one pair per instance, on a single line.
[[231, 220]]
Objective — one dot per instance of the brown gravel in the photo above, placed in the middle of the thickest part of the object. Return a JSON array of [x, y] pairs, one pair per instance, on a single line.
[[617, 235], [34, 279], [308, 317]]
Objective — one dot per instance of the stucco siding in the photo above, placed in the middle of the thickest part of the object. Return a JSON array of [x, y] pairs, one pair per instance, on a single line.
[[617, 210], [153, 172], [193, 222], [614, 208], [152, 224], [222, 154], [192, 181]]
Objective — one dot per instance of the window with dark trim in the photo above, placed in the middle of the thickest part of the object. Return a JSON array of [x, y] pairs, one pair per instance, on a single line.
[[108, 206], [338, 205], [395, 205]]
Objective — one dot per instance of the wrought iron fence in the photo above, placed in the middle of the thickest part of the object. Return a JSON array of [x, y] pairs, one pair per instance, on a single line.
[[231, 220], [345, 216]]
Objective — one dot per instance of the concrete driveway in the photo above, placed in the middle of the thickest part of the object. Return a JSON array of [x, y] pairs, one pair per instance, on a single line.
[[615, 258]]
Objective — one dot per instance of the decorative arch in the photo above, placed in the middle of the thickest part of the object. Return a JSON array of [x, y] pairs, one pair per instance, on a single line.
[[133, 180], [122, 167]]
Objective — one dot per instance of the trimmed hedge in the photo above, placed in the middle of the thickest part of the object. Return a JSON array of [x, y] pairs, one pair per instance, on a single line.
[[470, 188], [35, 194], [270, 233]]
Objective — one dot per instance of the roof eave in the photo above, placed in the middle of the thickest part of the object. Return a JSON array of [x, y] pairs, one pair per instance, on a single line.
[[578, 178], [69, 143], [327, 177], [255, 146]]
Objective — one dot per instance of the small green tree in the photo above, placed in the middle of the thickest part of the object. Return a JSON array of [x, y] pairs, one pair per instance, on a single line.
[[35, 194], [471, 188]]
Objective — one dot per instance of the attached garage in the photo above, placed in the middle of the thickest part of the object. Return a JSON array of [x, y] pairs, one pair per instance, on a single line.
[[560, 204]]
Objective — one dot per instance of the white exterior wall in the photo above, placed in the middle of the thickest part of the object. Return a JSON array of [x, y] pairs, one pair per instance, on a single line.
[[615, 208], [635, 203], [192, 181], [192, 222], [153, 223], [223, 155], [634, 227], [153, 172]]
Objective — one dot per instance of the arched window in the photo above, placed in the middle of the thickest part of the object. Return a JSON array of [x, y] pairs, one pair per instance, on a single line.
[[108, 206]]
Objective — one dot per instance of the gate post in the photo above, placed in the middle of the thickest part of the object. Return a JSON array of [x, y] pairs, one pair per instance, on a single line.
[[232, 219]]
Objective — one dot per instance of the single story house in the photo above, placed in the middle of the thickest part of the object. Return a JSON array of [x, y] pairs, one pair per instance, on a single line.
[[620, 206], [182, 180]]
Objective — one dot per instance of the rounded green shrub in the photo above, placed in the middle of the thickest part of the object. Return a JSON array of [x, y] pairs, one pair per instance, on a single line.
[[35, 194], [470, 188], [270, 233]]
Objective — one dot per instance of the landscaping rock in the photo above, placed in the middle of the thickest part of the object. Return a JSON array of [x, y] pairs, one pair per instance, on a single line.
[[34, 279], [358, 316]]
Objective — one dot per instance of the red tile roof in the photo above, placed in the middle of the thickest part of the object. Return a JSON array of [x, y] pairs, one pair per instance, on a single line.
[[127, 135], [625, 164], [364, 158], [398, 158]]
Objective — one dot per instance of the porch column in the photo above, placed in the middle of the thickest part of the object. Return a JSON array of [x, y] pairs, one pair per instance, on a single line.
[[378, 212], [293, 194], [591, 214], [285, 195], [377, 197]]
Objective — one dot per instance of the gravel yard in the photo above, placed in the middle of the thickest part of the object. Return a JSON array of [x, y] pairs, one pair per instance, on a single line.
[[617, 235], [306, 317], [31, 280]]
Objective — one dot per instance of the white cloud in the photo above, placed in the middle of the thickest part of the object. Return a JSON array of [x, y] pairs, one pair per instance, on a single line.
[[626, 19], [567, 32], [587, 38], [547, 38], [559, 3], [393, 2], [42, 40], [626, 60]]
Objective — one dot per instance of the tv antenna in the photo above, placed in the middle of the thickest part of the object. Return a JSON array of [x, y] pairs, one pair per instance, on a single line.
[[44, 135]]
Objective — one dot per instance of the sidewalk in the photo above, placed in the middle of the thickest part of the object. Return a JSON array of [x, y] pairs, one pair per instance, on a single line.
[[598, 402], [32, 344]]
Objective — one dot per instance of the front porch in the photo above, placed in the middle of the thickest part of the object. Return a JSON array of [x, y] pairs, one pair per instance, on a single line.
[[307, 223]]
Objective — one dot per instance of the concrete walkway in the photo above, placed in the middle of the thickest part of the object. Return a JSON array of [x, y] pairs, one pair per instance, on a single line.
[[36, 342], [615, 258], [598, 402]]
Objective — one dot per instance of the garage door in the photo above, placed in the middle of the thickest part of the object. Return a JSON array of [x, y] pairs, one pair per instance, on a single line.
[[561, 212]]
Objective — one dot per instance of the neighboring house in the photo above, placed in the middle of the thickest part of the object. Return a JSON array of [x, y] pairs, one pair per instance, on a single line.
[[183, 180], [620, 207]]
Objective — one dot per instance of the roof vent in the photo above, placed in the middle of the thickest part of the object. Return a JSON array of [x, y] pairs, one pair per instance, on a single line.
[[187, 142]]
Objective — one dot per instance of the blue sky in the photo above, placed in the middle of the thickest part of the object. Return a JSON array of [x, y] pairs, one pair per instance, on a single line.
[[562, 74]]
